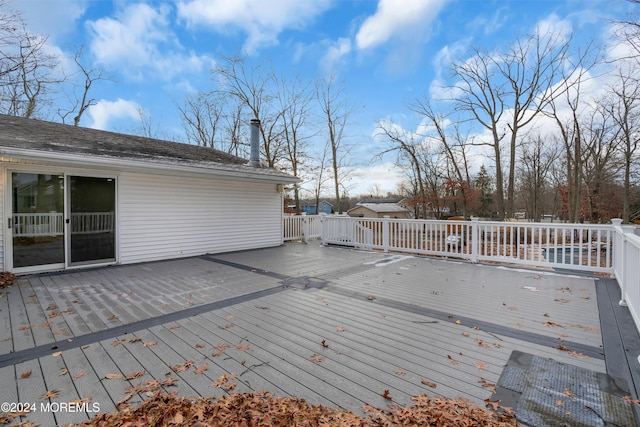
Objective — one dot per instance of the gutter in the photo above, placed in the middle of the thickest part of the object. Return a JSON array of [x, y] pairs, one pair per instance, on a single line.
[[128, 165]]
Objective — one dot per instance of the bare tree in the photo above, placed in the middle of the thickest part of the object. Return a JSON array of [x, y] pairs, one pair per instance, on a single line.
[[28, 73], [336, 112], [536, 162], [201, 115], [294, 100], [623, 106], [408, 147], [79, 104], [505, 91], [454, 145], [255, 89]]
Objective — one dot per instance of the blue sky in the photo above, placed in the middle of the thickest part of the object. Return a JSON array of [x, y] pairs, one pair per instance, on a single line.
[[387, 52]]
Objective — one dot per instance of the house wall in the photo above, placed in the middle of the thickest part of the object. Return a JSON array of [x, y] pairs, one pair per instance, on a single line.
[[361, 211], [162, 217], [167, 217]]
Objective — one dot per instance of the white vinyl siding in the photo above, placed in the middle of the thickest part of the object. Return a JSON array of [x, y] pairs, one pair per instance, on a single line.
[[168, 217], [4, 186]]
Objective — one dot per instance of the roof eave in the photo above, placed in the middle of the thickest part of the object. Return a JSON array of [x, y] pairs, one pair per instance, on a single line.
[[133, 165]]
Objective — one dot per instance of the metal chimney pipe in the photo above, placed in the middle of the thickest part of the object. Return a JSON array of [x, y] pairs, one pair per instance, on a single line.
[[254, 158]]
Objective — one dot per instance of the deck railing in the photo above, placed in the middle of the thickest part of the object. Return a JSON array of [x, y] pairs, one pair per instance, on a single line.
[[626, 267], [52, 224], [302, 227], [598, 248], [562, 246]]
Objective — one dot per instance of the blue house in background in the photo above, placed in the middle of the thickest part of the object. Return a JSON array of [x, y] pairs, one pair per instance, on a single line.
[[310, 207]]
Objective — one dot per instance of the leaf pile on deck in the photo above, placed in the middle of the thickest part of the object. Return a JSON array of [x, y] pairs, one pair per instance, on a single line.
[[264, 409], [6, 279]]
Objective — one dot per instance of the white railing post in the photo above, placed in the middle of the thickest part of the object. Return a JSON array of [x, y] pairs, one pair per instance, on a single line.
[[475, 240], [305, 227], [619, 257], [385, 233]]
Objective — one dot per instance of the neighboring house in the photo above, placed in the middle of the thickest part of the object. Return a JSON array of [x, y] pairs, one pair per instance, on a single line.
[[74, 196], [310, 207], [379, 210], [324, 207]]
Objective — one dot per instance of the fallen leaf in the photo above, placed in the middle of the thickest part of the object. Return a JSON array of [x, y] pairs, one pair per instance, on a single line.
[[386, 395], [135, 375], [482, 343], [561, 300], [113, 376], [486, 384], [458, 322], [400, 372], [339, 329], [324, 344], [149, 343], [371, 298], [50, 394], [24, 327], [80, 374], [552, 324], [63, 372], [568, 392], [559, 402], [315, 357], [243, 347], [494, 404], [482, 365], [112, 317], [200, 345], [26, 374], [169, 381], [182, 367], [200, 369], [56, 354], [428, 383]]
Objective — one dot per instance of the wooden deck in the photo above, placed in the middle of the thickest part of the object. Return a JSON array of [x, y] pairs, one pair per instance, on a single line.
[[332, 325]]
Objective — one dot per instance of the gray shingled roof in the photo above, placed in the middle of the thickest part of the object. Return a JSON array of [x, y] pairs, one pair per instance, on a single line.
[[47, 137]]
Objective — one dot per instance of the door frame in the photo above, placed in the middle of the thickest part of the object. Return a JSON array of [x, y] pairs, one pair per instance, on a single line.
[[67, 265]]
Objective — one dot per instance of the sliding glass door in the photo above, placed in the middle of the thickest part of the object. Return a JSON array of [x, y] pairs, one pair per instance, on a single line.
[[58, 221], [92, 204], [38, 219]]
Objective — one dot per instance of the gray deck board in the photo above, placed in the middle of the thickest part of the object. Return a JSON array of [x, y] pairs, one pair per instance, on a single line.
[[157, 362], [51, 368], [22, 337], [9, 389], [31, 389], [6, 340], [87, 383], [405, 334]]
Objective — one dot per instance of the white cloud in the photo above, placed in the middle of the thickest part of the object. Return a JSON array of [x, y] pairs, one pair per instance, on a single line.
[[404, 20], [386, 176], [51, 18], [335, 53], [104, 112], [554, 29], [262, 20], [139, 40]]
